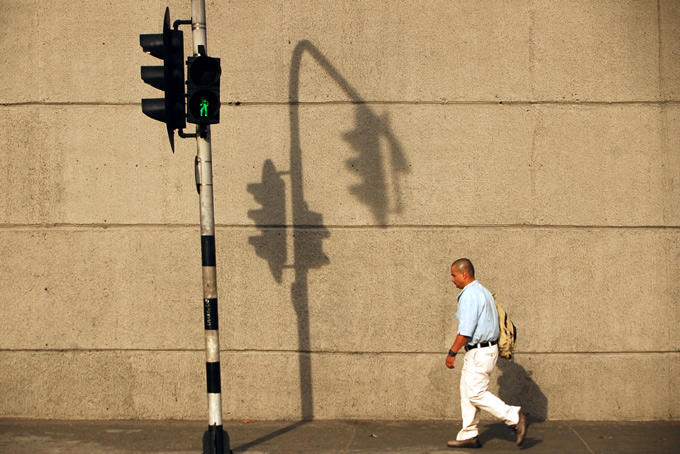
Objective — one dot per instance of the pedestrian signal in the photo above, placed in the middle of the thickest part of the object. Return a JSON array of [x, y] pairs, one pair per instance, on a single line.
[[203, 90]]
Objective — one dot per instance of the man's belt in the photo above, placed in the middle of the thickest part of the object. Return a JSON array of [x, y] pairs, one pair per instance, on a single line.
[[481, 344]]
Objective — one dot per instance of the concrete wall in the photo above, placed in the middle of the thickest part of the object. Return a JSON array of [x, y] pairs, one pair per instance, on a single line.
[[539, 138]]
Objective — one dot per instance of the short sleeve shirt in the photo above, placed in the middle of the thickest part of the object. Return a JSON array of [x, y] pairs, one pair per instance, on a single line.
[[477, 315]]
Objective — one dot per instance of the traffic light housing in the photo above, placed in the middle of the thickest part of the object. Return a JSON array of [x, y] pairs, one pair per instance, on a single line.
[[169, 47], [270, 219], [203, 90]]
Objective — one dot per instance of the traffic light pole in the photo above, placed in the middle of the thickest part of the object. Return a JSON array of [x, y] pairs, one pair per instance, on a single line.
[[215, 440]]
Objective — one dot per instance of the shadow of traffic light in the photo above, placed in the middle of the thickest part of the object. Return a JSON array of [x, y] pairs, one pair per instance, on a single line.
[[270, 244]]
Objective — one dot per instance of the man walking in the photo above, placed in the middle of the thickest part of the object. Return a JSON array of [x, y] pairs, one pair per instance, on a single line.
[[478, 333]]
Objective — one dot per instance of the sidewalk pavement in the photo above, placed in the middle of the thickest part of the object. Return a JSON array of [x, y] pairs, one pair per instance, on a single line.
[[22, 436]]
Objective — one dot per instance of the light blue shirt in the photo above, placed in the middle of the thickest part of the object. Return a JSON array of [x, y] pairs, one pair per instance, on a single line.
[[477, 315]]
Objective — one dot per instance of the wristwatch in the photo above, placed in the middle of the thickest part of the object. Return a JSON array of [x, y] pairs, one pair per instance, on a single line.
[[452, 353]]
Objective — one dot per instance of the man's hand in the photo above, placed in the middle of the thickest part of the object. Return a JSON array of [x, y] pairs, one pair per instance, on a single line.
[[457, 345]]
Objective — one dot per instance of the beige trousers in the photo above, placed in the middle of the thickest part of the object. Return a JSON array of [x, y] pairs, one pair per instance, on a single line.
[[474, 395]]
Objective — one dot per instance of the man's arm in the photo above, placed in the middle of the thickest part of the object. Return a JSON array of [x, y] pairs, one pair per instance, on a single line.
[[459, 343]]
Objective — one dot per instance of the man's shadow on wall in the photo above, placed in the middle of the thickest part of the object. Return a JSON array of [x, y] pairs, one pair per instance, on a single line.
[[516, 387]]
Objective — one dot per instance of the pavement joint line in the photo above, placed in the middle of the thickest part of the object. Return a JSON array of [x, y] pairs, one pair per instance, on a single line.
[[351, 439], [582, 440]]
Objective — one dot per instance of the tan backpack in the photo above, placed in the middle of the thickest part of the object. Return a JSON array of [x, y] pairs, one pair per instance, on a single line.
[[508, 337]]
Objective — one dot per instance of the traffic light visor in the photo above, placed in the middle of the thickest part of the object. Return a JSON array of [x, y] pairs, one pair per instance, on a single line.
[[152, 44]]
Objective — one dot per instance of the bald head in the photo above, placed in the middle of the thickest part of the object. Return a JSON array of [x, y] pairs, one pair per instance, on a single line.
[[462, 272], [464, 265]]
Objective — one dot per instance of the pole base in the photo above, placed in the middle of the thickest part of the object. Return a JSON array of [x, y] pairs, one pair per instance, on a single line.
[[216, 441]]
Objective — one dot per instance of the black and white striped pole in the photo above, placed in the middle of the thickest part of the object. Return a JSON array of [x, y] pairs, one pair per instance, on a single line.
[[215, 439], [202, 109]]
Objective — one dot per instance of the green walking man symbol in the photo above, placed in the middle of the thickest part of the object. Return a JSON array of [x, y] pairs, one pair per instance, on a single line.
[[204, 107]]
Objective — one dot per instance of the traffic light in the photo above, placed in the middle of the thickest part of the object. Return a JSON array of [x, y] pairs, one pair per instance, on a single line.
[[270, 219], [169, 47], [203, 90]]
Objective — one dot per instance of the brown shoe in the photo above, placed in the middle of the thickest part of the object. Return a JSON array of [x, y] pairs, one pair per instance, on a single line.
[[469, 443], [521, 428]]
